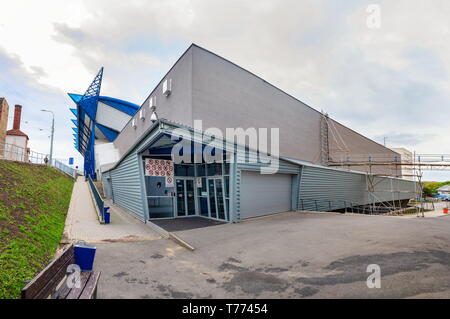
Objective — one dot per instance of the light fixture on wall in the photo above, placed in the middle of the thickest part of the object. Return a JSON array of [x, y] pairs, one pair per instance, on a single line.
[[167, 87], [154, 116]]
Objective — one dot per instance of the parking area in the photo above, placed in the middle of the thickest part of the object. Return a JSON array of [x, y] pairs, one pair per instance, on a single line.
[[289, 255]]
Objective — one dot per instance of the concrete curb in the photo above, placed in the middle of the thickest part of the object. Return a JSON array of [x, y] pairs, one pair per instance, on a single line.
[[342, 214], [168, 235], [181, 242], [164, 233]]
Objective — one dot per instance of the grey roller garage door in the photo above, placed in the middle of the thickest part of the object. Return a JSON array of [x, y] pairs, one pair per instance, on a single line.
[[264, 194]]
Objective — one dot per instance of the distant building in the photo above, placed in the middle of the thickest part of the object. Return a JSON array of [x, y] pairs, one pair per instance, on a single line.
[[406, 157], [4, 110], [17, 141], [444, 190]]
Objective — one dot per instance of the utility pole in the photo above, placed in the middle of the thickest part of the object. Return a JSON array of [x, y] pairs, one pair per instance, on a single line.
[[51, 138]]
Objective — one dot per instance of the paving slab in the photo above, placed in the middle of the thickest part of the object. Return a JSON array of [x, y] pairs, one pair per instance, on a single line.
[[82, 222]]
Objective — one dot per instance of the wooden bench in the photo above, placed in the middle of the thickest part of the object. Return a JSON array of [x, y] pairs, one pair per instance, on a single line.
[[51, 282]]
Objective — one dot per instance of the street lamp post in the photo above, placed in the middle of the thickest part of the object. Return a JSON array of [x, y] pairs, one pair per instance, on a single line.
[[53, 131]]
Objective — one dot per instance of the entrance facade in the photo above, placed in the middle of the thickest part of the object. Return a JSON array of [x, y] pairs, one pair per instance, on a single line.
[[198, 190]]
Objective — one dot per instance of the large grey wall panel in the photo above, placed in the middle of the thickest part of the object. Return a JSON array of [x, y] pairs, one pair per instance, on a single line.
[[175, 107], [225, 95], [264, 194], [392, 189], [126, 184], [329, 189], [320, 185]]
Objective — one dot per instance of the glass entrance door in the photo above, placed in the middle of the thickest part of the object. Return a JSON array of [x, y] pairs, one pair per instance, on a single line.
[[185, 197], [181, 196], [190, 197], [216, 199]]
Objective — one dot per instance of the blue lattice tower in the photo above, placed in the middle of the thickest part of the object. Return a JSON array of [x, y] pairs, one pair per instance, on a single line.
[[88, 105], [89, 100]]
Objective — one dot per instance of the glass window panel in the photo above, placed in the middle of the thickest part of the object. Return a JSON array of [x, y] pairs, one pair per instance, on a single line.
[[201, 170], [203, 204], [156, 186], [227, 186], [160, 207], [218, 168], [184, 170], [190, 171], [226, 168], [180, 170], [211, 169], [202, 191]]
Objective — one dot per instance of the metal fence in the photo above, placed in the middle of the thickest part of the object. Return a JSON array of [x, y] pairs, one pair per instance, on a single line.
[[64, 168], [11, 152]]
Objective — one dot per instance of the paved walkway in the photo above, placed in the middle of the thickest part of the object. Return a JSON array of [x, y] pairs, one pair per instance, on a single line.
[[437, 212], [82, 222]]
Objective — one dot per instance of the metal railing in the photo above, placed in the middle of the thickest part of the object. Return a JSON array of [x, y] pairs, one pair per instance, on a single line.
[[11, 152], [342, 206], [16, 153], [100, 204], [64, 168]]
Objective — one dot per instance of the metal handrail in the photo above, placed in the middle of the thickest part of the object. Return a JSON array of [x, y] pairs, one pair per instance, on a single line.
[[100, 204], [324, 205]]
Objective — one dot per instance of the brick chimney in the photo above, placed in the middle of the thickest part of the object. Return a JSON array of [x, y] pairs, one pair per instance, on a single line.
[[17, 115]]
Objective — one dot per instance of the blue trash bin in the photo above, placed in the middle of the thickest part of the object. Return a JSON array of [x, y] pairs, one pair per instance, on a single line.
[[84, 256], [106, 215]]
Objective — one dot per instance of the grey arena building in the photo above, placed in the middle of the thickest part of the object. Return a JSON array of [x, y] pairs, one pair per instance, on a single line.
[[138, 173]]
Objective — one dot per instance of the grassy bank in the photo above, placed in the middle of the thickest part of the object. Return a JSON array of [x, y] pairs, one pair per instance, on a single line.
[[33, 206]]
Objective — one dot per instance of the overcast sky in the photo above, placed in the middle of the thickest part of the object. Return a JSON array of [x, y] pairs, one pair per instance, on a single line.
[[391, 81]]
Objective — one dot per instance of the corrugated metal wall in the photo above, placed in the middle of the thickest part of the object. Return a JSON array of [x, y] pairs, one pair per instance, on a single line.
[[318, 185], [384, 186], [326, 189], [126, 181]]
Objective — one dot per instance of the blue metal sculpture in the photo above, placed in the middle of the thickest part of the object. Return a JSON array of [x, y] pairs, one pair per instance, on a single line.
[[87, 128]]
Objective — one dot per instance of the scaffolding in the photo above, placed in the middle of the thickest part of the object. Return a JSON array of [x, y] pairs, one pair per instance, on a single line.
[[324, 142], [380, 165]]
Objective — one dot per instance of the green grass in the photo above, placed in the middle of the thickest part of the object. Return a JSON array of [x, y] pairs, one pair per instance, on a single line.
[[33, 206]]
